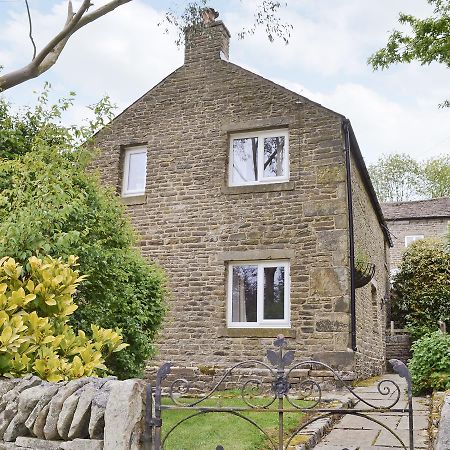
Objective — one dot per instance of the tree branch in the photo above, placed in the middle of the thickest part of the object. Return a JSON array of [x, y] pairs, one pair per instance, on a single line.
[[30, 25], [48, 56]]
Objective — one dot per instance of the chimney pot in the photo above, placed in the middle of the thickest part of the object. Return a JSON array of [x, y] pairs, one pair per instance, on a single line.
[[209, 15]]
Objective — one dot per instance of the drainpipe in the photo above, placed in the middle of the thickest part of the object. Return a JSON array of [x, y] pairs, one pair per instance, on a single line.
[[351, 236]]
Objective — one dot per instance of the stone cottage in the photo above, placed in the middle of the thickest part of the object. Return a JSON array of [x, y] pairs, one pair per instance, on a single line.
[[413, 220], [255, 201]]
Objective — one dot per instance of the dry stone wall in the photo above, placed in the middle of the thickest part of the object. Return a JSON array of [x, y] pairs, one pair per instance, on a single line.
[[398, 346], [83, 414]]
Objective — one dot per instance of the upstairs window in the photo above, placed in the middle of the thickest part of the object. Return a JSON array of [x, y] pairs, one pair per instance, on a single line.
[[410, 239], [134, 171], [259, 157], [258, 294]]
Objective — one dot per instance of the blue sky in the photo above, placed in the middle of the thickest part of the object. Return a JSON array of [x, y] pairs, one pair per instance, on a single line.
[[125, 53]]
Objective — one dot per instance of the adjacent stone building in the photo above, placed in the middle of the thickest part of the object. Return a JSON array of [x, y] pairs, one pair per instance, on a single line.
[[413, 220], [254, 200]]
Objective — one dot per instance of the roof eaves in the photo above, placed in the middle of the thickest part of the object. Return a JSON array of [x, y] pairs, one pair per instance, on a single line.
[[356, 152]]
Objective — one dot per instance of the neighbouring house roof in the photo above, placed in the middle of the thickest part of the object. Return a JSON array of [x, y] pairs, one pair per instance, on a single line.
[[417, 209]]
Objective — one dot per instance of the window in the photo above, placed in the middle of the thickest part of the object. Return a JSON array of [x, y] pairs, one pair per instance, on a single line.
[[259, 157], [134, 171], [411, 239], [258, 294]]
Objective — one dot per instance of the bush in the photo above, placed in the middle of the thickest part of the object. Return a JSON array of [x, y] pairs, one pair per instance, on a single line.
[[52, 204], [430, 364], [35, 336], [422, 287]]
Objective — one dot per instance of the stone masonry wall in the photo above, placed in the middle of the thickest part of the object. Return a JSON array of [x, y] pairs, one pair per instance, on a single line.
[[370, 304], [428, 227], [398, 347], [193, 224], [83, 414]]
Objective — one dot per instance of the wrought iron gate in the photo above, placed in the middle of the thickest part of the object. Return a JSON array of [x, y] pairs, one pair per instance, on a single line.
[[280, 401]]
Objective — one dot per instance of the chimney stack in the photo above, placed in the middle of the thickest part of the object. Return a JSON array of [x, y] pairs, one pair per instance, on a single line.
[[207, 41]]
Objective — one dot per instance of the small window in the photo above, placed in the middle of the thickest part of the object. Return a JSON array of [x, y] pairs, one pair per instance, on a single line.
[[134, 171], [258, 294], [411, 239], [259, 157]]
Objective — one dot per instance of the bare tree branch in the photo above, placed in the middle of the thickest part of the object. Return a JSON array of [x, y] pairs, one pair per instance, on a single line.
[[30, 29], [49, 54]]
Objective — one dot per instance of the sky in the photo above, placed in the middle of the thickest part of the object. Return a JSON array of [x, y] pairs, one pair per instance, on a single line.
[[125, 53]]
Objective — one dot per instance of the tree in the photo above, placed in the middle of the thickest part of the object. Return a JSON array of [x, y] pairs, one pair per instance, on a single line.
[[49, 54], [398, 177], [395, 177], [190, 16], [51, 204], [427, 42], [422, 286], [436, 177]]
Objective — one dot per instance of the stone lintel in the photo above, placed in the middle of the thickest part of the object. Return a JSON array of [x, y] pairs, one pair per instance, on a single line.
[[259, 124], [250, 255]]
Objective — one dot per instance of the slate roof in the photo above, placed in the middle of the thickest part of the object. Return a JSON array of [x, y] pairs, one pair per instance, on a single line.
[[418, 209]]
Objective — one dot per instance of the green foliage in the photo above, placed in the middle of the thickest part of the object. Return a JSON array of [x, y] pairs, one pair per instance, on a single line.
[[422, 286], [436, 177], [430, 364], [398, 177], [35, 337], [50, 204], [41, 126], [395, 177], [427, 41]]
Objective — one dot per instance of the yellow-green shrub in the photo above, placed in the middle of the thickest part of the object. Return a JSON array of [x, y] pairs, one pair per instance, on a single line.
[[35, 337]]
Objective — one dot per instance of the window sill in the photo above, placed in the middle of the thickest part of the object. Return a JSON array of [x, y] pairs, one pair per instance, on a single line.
[[134, 199], [256, 332], [266, 187]]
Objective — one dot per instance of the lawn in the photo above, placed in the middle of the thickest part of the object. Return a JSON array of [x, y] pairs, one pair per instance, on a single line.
[[207, 431]]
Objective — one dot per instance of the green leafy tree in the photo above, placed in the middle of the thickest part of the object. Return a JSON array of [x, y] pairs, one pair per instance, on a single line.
[[398, 177], [395, 177], [427, 41], [436, 177], [422, 287], [51, 204]]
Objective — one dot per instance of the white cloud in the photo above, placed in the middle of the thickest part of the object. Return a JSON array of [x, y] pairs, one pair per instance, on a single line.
[[125, 53], [385, 126]]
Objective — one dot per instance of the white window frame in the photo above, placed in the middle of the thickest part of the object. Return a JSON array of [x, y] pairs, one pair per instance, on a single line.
[[260, 321], [279, 132], [412, 238], [126, 171]]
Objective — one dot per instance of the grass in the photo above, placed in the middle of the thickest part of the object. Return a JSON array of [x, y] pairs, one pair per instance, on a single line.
[[207, 431]]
